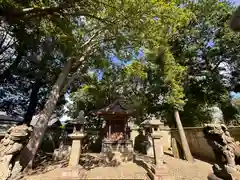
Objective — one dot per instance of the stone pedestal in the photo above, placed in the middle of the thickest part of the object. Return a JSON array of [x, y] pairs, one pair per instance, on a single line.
[[121, 151], [157, 149], [76, 148], [74, 173]]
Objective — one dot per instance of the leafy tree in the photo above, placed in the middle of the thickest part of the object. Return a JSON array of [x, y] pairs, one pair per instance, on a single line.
[[106, 29], [209, 49], [37, 53]]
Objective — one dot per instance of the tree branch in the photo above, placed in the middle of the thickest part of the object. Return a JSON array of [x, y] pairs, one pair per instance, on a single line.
[[19, 12], [216, 66], [3, 49]]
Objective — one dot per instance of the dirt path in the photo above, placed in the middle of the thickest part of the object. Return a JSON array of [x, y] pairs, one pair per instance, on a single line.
[[127, 171], [178, 169], [183, 170]]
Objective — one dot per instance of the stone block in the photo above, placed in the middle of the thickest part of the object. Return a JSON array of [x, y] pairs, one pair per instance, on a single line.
[[74, 173], [161, 173]]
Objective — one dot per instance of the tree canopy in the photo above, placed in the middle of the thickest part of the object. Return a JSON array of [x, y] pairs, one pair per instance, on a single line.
[[176, 55], [193, 69]]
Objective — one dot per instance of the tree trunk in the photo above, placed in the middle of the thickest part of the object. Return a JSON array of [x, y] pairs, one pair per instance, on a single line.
[[30, 150], [33, 102], [183, 138]]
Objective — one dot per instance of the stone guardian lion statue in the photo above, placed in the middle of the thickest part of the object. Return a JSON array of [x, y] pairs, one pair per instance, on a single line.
[[10, 147], [226, 150]]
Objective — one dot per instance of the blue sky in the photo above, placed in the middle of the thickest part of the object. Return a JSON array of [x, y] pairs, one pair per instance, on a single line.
[[236, 1]]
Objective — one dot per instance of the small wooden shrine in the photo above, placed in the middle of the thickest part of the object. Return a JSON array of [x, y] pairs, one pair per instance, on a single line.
[[116, 130]]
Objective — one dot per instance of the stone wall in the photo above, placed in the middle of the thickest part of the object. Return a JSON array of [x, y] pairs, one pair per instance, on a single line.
[[198, 144]]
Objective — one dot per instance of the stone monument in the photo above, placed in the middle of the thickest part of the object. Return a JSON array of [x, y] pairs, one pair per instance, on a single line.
[[226, 150], [10, 147]]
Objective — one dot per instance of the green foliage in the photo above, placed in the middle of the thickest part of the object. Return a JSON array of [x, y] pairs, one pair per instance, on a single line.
[[208, 48], [173, 76], [181, 70], [186, 48]]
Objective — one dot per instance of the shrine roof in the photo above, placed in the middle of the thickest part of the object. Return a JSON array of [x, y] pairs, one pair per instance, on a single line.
[[119, 106]]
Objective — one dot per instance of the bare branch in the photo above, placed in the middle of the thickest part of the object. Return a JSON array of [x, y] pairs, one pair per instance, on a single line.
[[217, 65], [90, 39], [19, 12], [3, 39], [7, 47]]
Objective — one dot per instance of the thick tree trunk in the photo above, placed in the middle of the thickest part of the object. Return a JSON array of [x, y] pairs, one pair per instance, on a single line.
[[30, 150], [33, 102], [183, 138]]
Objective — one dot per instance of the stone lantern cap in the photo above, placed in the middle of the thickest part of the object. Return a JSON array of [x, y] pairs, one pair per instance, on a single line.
[[79, 120], [152, 121]]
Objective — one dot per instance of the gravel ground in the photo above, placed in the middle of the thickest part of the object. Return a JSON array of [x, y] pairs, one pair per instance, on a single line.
[[127, 171], [183, 170], [178, 169]]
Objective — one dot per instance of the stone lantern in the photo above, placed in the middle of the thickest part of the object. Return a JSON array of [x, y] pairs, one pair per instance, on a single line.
[[153, 128], [77, 136], [152, 125], [79, 123], [74, 170]]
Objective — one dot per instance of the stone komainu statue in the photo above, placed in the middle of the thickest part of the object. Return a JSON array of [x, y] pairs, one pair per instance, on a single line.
[[10, 146], [226, 150]]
